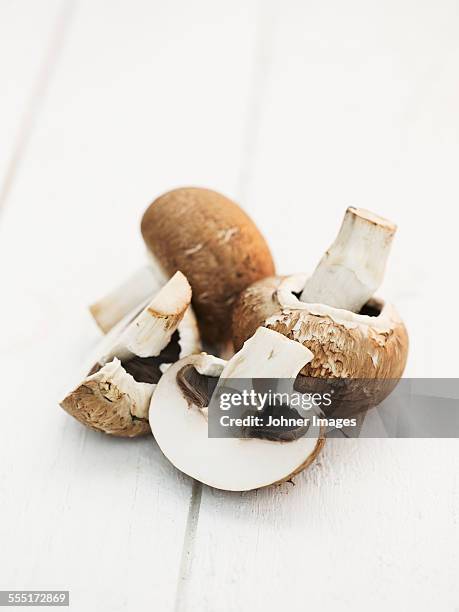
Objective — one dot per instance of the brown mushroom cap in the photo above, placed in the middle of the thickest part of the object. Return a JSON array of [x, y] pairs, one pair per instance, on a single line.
[[345, 345], [215, 244], [104, 407]]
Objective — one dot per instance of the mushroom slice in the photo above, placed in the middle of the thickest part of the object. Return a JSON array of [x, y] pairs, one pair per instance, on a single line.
[[114, 396], [178, 418]]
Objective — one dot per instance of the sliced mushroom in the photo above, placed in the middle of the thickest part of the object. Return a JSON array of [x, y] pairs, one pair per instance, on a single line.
[[114, 396], [215, 244], [178, 417]]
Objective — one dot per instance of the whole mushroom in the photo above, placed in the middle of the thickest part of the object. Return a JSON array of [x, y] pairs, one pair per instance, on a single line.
[[351, 334], [212, 241]]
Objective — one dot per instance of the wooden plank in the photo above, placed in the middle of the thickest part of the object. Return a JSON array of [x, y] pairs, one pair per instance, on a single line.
[[373, 523], [30, 36], [145, 97], [360, 107]]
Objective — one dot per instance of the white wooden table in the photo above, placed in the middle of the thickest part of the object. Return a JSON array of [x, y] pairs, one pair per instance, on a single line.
[[296, 109]]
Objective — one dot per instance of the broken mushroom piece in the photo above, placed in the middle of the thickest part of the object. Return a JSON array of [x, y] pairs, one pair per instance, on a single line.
[[216, 245], [115, 395], [179, 418]]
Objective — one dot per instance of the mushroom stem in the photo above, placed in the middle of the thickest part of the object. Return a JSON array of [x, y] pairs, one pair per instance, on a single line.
[[267, 354], [352, 269], [110, 309]]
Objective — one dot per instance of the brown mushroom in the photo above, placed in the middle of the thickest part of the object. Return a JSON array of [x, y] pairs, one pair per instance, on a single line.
[[369, 346], [214, 243]]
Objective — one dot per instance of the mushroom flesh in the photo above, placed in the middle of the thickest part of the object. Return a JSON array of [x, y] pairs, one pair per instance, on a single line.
[[114, 397]]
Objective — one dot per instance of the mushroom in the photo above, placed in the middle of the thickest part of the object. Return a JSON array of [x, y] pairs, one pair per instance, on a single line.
[[179, 417], [114, 397], [351, 334], [214, 243]]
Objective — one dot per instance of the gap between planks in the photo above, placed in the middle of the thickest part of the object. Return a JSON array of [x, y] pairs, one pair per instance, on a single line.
[[186, 562], [260, 77], [261, 69], [35, 100]]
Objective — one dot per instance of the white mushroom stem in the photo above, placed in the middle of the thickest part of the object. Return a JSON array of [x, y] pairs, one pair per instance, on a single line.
[[144, 283], [267, 354], [353, 267]]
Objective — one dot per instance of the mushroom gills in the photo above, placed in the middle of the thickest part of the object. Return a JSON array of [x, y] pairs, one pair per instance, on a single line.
[[148, 369], [196, 388]]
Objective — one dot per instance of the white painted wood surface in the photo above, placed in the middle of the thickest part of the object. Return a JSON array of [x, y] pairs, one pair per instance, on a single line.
[[297, 109]]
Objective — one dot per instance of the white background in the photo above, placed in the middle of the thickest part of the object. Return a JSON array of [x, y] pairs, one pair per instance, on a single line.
[[296, 109]]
